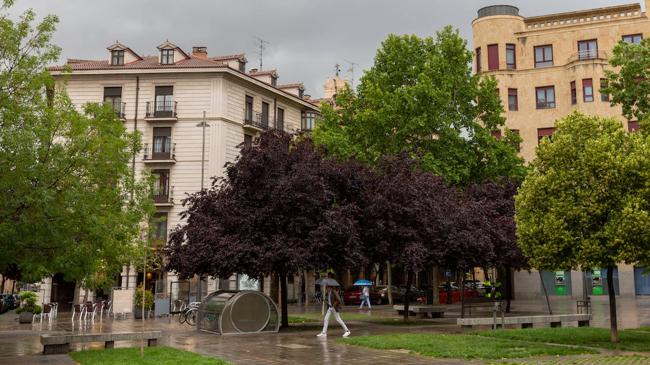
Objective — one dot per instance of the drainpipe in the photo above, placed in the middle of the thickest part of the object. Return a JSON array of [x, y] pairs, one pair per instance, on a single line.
[[135, 125]]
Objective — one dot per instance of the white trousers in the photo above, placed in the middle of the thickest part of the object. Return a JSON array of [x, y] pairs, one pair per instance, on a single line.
[[326, 321], [366, 299]]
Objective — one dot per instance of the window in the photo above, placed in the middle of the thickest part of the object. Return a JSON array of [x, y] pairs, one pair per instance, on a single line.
[[164, 101], [265, 114], [493, 57], [117, 58], [248, 140], [279, 122], [496, 133], [544, 132], [167, 56], [478, 59], [511, 58], [632, 126], [603, 85], [633, 38], [162, 143], [516, 131], [587, 91], [544, 56], [587, 50], [513, 103], [308, 121], [248, 111], [113, 97], [545, 97], [159, 232], [161, 186], [574, 93]]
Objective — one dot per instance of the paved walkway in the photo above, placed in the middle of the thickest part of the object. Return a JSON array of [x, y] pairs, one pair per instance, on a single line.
[[20, 344]]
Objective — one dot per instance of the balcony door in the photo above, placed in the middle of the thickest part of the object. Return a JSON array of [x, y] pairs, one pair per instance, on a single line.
[[587, 49], [164, 101], [161, 186], [113, 97], [265, 114], [162, 143]]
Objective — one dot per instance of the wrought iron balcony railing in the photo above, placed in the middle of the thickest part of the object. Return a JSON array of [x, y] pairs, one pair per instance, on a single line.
[[161, 109], [162, 152]]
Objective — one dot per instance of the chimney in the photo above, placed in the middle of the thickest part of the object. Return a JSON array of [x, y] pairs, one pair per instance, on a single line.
[[200, 52]]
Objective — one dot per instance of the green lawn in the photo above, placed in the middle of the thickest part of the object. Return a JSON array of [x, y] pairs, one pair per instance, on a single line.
[[631, 340], [462, 346], [585, 360], [152, 356], [361, 317]]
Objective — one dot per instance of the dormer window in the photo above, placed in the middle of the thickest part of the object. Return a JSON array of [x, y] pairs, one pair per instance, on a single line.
[[167, 56], [117, 58]]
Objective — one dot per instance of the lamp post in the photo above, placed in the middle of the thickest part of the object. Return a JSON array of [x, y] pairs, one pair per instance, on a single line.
[[204, 124]]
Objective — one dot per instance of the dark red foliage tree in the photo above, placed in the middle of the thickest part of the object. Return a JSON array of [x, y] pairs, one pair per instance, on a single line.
[[276, 211], [496, 199]]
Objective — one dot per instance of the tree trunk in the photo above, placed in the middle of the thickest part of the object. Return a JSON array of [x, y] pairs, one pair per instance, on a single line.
[[2, 288], [508, 287], [389, 273], [435, 283], [612, 305], [283, 300], [548, 302], [274, 288], [462, 296], [13, 286], [407, 293]]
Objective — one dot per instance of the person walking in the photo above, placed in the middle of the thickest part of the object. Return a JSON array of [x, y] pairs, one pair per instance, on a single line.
[[333, 301], [365, 297]]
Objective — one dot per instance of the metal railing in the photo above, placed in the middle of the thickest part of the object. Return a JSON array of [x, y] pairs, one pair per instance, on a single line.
[[256, 121], [545, 105], [168, 151], [164, 197], [588, 54], [161, 109]]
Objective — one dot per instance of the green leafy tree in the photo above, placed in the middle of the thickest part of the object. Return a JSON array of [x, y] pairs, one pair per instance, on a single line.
[[420, 97], [586, 202], [629, 83], [69, 202]]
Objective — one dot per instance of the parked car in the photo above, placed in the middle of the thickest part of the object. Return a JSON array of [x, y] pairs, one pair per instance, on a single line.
[[353, 296], [397, 293], [3, 307]]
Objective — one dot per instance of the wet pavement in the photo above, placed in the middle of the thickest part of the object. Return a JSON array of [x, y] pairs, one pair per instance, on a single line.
[[20, 343]]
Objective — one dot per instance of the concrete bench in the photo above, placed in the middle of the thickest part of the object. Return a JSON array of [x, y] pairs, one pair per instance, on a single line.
[[555, 320], [422, 311], [60, 343], [481, 303]]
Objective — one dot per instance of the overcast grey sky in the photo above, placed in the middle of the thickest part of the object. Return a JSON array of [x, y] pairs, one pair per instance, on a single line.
[[306, 37]]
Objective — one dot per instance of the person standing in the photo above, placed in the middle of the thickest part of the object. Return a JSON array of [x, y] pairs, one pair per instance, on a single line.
[[365, 297], [333, 301]]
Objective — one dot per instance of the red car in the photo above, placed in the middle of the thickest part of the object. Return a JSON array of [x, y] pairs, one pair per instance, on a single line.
[[353, 296]]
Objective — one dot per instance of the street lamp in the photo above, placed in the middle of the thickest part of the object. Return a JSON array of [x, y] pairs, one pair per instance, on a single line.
[[203, 125]]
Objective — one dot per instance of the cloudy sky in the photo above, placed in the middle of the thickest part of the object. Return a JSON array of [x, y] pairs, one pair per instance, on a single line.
[[306, 37]]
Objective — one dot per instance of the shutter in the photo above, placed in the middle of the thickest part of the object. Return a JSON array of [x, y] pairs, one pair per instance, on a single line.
[[493, 57], [162, 131], [164, 90], [112, 91], [545, 132]]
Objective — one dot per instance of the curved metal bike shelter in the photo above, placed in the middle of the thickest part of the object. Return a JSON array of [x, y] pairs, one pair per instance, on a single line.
[[238, 312]]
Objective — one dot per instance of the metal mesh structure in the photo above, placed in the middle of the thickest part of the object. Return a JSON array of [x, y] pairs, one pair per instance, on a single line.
[[238, 311], [498, 10]]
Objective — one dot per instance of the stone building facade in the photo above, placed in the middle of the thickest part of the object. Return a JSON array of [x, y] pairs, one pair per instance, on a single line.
[[548, 66]]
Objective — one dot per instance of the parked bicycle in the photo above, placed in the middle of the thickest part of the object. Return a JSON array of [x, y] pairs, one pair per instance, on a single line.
[[189, 315]]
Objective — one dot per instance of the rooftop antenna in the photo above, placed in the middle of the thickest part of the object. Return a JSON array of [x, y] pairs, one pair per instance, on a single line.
[[351, 71], [262, 47], [337, 69]]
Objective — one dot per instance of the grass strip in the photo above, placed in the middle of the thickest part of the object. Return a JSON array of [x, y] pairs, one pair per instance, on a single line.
[[462, 346], [152, 356]]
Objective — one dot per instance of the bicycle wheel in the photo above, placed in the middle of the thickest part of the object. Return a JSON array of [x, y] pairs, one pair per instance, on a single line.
[[182, 317], [191, 317]]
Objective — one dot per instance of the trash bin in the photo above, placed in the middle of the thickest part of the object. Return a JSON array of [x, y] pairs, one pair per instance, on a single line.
[[238, 311]]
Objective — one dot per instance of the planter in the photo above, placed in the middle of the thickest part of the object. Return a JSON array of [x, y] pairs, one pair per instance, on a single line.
[[137, 313], [25, 317]]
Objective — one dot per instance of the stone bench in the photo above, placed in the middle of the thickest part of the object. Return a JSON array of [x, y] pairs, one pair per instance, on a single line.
[[422, 311], [554, 320], [60, 343]]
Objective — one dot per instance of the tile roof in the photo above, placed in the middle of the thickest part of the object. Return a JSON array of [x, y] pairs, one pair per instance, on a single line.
[[229, 57], [261, 73], [299, 85], [148, 62]]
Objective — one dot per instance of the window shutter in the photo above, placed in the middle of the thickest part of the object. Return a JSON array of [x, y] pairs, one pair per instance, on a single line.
[[493, 57]]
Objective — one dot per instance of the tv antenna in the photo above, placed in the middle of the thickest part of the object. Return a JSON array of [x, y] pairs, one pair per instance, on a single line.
[[337, 69], [351, 71], [262, 47]]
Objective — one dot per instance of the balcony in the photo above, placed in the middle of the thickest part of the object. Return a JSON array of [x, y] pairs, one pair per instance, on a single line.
[[119, 107], [160, 155], [164, 197], [587, 55], [255, 124], [161, 111], [545, 104]]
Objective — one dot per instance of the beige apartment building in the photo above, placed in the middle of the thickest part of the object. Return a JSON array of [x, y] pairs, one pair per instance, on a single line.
[[548, 66], [168, 97]]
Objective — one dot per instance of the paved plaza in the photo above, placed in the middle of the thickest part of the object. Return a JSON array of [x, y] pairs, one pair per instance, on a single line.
[[20, 344]]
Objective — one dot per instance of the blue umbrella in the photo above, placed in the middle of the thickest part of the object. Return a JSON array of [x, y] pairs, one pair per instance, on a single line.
[[363, 282]]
